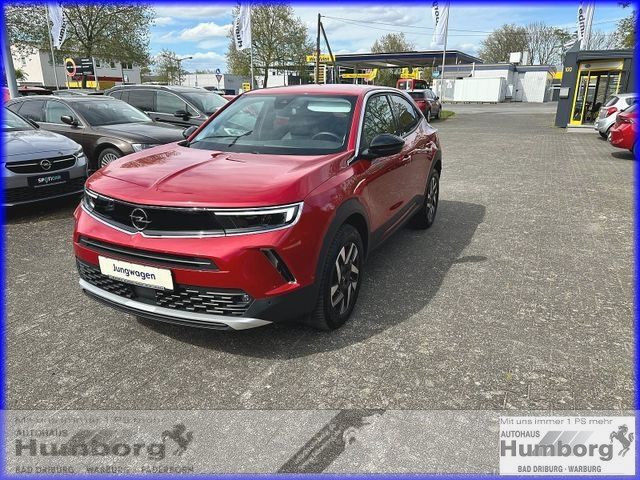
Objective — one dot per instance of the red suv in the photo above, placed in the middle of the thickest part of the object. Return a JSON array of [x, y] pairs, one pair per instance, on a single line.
[[624, 131], [266, 213]]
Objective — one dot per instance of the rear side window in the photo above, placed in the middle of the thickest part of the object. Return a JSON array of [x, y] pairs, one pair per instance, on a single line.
[[406, 115], [141, 99], [612, 101], [33, 110], [117, 94], [378, 118]]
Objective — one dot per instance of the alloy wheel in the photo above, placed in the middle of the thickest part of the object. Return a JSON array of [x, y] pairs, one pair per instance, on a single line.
[[432, 198], [108, 158], [346, 274]]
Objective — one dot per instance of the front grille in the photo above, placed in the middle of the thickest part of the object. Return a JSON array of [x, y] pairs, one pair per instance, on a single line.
[[155, 220], [26, 194], [161, 259], [233, 303], [35, 166], [95, 277]]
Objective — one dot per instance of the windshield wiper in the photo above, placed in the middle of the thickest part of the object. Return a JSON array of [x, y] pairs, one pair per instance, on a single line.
[[235, 137]]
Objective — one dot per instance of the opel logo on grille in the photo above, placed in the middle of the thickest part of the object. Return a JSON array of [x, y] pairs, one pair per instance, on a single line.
[[45, 164], [139, 219]]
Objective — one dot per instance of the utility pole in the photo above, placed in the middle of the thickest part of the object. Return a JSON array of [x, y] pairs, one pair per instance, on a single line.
[[444, 57], [9, 71], [318, 51]]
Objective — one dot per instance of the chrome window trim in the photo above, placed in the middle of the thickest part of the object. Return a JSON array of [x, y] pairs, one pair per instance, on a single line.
[[203, 233]]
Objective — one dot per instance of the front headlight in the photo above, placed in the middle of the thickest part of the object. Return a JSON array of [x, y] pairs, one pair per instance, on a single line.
[[137, 147], [258, 219], [79, 153]]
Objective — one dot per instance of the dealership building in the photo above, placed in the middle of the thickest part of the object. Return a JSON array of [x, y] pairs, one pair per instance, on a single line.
[[589, 79]]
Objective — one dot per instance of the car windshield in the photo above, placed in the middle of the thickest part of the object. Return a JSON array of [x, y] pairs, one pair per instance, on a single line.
[[611, 101], [280, 124], [109, 112], [630, 109], [206, 102], [13, 122]]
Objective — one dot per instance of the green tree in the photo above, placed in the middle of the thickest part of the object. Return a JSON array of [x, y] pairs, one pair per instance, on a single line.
[[391, 43], [545, 43], [501, 42], [109, 31], [625, 30], [279, 40], [168, 69], [21, 75]]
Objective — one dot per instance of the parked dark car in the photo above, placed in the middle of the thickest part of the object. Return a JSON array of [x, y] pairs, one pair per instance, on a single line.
[[76, 91], [106, 128], [428, 103], [39, 165], [182, 106]]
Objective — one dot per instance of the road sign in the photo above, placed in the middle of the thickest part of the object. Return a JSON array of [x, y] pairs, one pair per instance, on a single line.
[[218, 77], [218, 72], [79, 66], [246, 87], [324, 58]]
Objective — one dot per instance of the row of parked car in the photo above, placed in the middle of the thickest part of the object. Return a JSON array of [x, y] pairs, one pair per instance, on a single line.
[[617, 121], [54, 141]]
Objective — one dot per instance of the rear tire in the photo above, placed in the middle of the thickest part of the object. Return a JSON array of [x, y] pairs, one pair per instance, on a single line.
[[426, 215], [340, 280]]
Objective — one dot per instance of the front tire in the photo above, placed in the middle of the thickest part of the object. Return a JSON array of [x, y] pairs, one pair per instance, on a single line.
[[428, 116], [340, 280], [426, 216], [107, 156]]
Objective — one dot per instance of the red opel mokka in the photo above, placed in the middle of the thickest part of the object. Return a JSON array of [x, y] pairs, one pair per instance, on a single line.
[[624, 131], [266, 213]]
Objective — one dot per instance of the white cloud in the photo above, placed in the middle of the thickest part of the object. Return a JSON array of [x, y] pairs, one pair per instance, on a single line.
[[205, 61], [163, 21], [205, 30]]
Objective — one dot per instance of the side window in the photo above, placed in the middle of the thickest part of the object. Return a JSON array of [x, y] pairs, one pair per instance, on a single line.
[[169, 103], [378, 119], [117, 94], [405, 115], [54, 110], [141, 99], [33, 110]]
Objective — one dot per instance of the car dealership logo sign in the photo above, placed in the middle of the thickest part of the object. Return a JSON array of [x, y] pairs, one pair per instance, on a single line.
[[566, 445]]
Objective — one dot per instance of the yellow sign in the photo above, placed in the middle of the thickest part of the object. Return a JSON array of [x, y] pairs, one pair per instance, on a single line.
[[324, 58], [246, 87], [369, 76], [416, 74]]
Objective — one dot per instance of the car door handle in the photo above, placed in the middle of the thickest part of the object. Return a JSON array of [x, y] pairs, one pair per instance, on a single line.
[[406, 158]]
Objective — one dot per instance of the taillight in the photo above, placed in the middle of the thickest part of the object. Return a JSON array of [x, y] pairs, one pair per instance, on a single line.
[[611, 111]]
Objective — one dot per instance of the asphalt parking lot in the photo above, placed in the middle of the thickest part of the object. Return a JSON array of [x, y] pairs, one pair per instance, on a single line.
[[520, 297]]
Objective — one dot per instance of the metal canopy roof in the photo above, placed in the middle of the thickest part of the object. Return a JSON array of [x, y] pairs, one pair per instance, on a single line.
[[426, 58]]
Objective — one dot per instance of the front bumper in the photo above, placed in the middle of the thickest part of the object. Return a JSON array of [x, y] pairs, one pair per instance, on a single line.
[[154, 312]]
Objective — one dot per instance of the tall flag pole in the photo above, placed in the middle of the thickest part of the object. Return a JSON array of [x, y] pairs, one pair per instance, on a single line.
[[9, 70], [58, 32], [586, 10], [440, 15], [242, 32]]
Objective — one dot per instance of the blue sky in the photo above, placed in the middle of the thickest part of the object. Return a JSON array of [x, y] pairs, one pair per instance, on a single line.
[[200, 29]]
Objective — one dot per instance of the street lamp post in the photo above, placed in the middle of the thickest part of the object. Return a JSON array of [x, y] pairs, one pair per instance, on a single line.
[[179, 60]]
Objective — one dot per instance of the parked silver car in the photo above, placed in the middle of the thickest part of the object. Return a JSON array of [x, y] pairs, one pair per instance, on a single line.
[[609, 112], [39, 165]]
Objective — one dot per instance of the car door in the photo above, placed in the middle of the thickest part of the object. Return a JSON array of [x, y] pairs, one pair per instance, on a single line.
[[384, 176], [166, 107], [53, 111], [417, 152]]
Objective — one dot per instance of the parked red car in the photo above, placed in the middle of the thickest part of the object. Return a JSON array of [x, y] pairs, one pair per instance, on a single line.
[[428, 103], [624, 131], [266, 213]]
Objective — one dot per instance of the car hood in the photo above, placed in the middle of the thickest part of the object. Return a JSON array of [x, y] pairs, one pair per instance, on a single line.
[[143, 132], [182, 176], [30, 144]]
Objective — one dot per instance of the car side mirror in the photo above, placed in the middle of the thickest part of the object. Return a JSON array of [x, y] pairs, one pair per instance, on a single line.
[[437, 97], [187, 132], [69, 120], [182, 114], [383, 145]]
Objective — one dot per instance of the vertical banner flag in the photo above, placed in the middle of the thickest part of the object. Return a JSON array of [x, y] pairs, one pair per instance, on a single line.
[[440, 15], [59, 24], [585, 17], [242, 27]]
